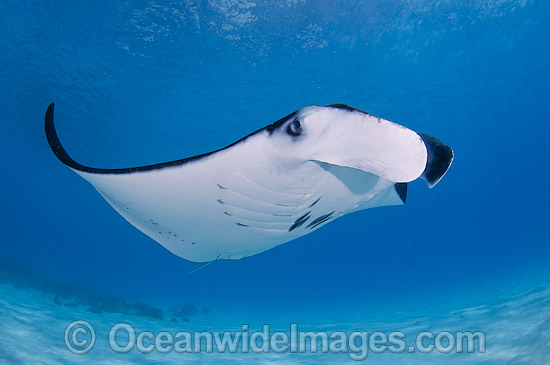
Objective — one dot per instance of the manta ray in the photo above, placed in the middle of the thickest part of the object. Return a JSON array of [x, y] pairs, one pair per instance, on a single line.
[[277, 184]]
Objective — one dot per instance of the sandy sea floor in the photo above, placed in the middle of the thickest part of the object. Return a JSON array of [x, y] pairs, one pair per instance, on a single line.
[[515, 321]]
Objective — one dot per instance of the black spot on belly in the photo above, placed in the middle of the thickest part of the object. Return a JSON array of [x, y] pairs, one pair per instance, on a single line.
[[298, 222], [320, 220], [315, 202]]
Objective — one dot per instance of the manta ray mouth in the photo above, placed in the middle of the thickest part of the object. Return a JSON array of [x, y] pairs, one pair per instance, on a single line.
[[440, 158]]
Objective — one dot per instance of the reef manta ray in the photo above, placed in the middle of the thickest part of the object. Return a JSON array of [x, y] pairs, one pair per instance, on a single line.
[[270, 187]]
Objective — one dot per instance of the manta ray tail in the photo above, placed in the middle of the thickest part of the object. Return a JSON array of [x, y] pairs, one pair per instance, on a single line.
[[203, 265], [440, 157]]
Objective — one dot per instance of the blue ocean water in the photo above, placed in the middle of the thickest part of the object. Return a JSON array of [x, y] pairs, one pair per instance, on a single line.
[[142, 82]]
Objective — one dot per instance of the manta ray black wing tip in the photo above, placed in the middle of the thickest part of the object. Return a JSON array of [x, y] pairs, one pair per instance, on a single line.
[[401, 189], [64, 157], [55, 144]]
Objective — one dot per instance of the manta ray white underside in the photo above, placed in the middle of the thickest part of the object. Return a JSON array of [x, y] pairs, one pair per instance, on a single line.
[[275, 185]]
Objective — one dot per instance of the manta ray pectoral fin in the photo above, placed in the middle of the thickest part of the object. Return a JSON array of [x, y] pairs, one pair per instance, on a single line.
[[64, 157], [55, 144], [440, 157]]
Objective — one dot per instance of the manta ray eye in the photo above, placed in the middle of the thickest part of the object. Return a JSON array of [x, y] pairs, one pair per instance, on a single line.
[[294, 128]]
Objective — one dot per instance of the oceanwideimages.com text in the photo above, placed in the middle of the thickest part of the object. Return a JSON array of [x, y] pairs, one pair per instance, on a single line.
[[80, 338]]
